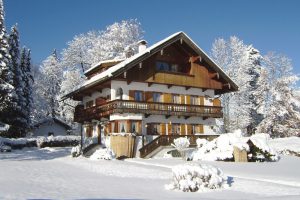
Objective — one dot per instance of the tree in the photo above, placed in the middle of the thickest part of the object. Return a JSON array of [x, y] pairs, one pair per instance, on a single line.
[[90, 48], [6, 75], [233, 56], [28, 82], [47, 86], [254, 71], [18, 115], [282, 107]]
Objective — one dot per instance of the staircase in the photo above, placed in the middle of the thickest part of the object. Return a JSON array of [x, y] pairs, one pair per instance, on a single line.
[[156, 145]]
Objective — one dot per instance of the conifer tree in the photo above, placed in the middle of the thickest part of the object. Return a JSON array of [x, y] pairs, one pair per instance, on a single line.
[[28, 82], [6, 81]]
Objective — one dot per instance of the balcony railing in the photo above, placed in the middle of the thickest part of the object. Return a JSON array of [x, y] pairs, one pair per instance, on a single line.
[[147, 108]]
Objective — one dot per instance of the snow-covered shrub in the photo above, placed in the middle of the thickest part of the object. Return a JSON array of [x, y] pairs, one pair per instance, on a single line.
[[260, 149], [76, 151], [197, 177], [103, 154], [222, 148], [18, 143], [58, 141], [4, 148], [181, 144]]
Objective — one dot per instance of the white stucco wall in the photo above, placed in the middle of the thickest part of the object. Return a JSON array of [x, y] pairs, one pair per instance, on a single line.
[[55, 128]]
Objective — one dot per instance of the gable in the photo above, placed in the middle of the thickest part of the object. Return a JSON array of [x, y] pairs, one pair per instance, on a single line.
[[224, 83]]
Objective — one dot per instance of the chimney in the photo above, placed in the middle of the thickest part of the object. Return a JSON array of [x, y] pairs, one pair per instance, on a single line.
[[142, 45]]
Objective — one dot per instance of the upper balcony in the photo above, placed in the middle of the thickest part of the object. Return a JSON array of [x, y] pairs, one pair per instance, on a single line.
[[146, 108]]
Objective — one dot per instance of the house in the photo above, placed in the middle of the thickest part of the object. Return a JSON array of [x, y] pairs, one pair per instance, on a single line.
[[51, 126], [167, 90]]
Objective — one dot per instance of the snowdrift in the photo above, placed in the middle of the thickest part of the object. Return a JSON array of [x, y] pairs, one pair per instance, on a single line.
[[103, 154]]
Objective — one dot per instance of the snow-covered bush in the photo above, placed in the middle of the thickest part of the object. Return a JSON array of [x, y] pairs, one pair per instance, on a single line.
[[103, 154], [4, 148], [18, 143], [58, 141], [76, 151], [197, 177], [222, 148], [260, 149], [181, 144]]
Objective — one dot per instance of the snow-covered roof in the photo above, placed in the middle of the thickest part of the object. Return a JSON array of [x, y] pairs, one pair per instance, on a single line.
[[135, 59], [52, 119], [101, 63]]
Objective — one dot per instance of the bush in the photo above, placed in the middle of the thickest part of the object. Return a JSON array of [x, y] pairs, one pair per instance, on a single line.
[[181, 144], [57, 141], [76, 151], [4, 148], [195, 177], [103, 154]]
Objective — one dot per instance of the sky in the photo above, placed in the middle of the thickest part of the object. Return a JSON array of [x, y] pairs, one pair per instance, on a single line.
[[269, 25]]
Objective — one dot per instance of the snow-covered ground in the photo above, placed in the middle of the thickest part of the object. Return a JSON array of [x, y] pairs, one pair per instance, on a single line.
[[51, 173]]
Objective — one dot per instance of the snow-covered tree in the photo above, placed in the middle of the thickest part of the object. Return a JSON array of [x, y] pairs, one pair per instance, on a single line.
[[6, 75], [87, 49], [254, 72], [233, 57], [47, 86], [28, 82], [282, 108]]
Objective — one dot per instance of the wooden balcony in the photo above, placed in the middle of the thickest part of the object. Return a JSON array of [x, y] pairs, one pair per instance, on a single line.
[[147, 108]]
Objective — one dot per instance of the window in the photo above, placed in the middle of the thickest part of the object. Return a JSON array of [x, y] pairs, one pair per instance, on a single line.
[[176, 98], [174, 68], [153, 129], [122, 127], [175, 129], [194, 100], [89, 131], [89, 104], [157, 97], [119, 93], [138, 96], [162, 66]]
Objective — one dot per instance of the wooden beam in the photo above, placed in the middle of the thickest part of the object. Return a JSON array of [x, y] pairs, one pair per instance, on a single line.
[[168, 116], [128, 82], [149, 84], [100, 90], [169, 86], [227, 85], [204, 89], [186, 117], [215, 75], [187, 87], [194, 59], [147, 115], [205, 118]]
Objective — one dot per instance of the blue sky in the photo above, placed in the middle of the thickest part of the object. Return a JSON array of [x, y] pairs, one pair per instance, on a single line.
[[269, 25]]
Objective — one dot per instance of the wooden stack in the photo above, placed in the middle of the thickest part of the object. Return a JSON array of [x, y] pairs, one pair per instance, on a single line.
[[240, 155]]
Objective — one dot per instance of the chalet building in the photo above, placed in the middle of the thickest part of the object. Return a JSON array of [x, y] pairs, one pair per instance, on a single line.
[[168, 89]]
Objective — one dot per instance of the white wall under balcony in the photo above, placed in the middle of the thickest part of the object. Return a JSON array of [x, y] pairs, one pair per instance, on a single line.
[[157, 88]]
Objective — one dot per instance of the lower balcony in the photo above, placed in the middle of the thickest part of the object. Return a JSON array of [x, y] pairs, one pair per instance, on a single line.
[[146, 108]]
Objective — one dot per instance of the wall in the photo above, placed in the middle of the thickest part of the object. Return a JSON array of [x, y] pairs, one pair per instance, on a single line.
[[44, 129]]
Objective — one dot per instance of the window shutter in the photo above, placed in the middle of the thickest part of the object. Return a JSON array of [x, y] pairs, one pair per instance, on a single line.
[[200, 128], [201, 100], [163, 129], [182, 99], [188, 99], [148, 97], [182, 129], [189, 129], [169, 129], [167, 98], [131, 95], [216, 102]]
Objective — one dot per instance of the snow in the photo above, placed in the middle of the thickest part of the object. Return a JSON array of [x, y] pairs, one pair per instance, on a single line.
[[289, 145], [222, 147], [51, 173], [103, 154], [195, 177], [103, 62]]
